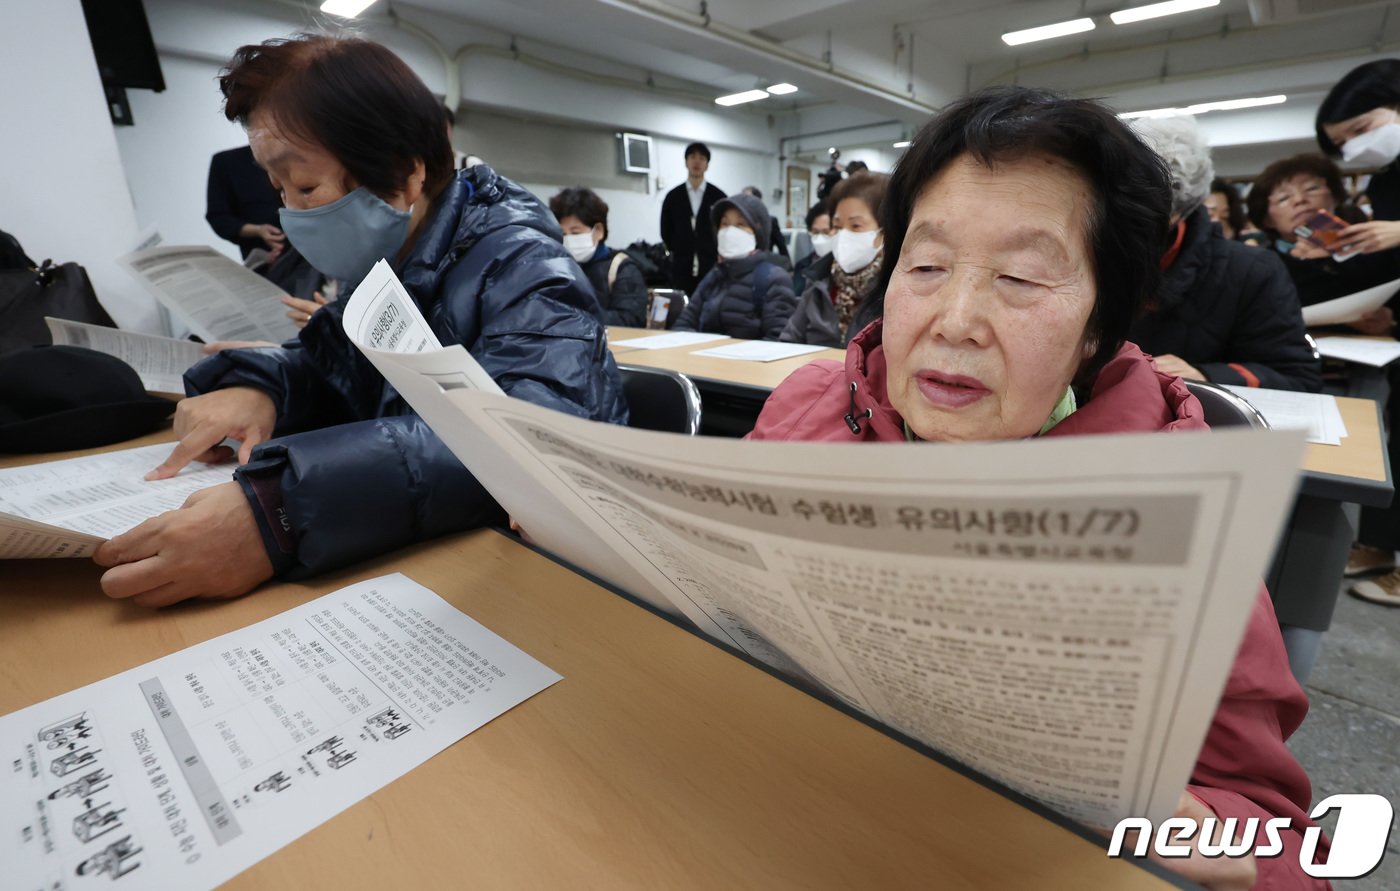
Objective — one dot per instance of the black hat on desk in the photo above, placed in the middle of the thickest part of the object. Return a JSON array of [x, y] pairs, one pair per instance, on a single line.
[[56, 398]]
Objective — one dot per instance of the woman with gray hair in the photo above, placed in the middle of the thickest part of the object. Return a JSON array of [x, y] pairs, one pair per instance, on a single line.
[[1225, 312]]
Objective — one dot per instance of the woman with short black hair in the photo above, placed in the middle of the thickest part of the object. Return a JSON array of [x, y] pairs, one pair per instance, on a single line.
[[616, 279], [335, 465], [1023, 232]]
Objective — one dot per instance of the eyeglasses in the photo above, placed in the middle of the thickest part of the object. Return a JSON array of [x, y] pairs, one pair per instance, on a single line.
[[1284, 197]]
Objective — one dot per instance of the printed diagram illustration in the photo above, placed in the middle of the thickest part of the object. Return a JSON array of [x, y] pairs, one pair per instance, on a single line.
[[275, 783], [388, 722], [83, 786], [335, 758], [77, 759], [111, 860], [97, 821], [70, 745], [63, 733]]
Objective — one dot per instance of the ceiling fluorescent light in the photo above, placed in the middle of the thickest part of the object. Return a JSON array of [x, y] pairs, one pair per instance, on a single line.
[[904, 143], [1157, 10], [740, 98], [1204, 107], [1235, 104], [1152, 113], [346, 9], [782, 89], [1045, 32]]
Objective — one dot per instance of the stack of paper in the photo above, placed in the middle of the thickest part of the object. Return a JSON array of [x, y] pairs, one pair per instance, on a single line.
[[1316, 414], [1362, 350], [67, 508], [759, 350], [667, 341]]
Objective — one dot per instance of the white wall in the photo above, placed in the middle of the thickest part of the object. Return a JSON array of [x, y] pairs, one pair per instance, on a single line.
[[543, 128], [64, 195], [166, 155]]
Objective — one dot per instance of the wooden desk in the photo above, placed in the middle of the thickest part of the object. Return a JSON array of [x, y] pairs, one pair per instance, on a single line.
[[659, 761], [751, 379]]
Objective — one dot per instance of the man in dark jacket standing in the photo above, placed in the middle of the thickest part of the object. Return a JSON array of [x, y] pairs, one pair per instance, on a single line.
[[241, 205], [1226, 312], [686, 228]]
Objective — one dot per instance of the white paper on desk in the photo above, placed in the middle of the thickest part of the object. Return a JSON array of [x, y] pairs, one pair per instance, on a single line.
[[161, 362], [217, 298], [668, 341], [1364, 351], [1351, 307], [1120, 570], [67, 508], [1316, 414], [185, 771], [759, 350]]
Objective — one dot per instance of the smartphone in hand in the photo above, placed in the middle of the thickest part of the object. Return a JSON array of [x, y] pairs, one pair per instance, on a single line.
[[1323, 230]]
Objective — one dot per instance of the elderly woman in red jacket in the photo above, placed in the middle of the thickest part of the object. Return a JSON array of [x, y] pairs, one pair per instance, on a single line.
[[1022, 236]]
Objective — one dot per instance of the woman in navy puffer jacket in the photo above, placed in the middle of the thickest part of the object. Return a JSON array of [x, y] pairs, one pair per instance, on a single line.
[[358, 148]]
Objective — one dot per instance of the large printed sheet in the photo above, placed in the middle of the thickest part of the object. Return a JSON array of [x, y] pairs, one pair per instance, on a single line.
[[160, 362], [67, 508], [217, 298], [187, 770], [1058, 614]]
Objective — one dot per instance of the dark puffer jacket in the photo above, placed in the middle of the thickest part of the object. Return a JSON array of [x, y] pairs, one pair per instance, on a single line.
[[353, 471], [724, 301], [625, 302], [1231, 311]]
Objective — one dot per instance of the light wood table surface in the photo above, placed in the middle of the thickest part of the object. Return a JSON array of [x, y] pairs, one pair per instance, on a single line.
[[752, 376], [659, 761], [1362, 452]]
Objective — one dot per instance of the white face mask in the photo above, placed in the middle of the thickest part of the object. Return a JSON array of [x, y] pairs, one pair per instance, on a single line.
[[1374, 148], [581, 246], [821, 245], [854, 250], [735, 242]]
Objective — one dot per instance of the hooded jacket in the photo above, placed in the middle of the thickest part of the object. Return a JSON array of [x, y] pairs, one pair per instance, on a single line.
[[353, 471], [1232, 311], [1244, 770], [724, 301]]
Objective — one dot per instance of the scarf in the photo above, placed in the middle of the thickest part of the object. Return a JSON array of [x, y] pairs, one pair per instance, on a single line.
[[848, 290]]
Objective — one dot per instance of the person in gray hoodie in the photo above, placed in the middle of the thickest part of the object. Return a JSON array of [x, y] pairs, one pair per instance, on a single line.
[[746, 295]]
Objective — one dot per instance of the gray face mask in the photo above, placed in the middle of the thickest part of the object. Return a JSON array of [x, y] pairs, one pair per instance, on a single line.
[[344, 239]]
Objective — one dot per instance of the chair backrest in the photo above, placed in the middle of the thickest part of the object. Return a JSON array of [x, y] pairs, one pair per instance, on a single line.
[[658, 399], [1225, 408]]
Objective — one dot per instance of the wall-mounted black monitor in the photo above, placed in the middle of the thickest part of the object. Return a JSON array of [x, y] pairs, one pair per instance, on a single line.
[[122, 43]]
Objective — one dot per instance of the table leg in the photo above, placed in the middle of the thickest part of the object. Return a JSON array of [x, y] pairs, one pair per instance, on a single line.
[[1306, 576]]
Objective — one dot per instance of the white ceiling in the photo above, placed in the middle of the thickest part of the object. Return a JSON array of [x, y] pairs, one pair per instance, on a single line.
[[878, 48]]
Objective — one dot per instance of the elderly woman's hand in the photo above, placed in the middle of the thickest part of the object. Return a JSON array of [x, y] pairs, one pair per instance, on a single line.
[[301, 311], [202, 422], [1169, 364], [209, 548], [1368, 238]]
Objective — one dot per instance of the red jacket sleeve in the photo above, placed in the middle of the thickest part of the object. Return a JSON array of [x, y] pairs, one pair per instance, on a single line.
[[1244, 769]]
